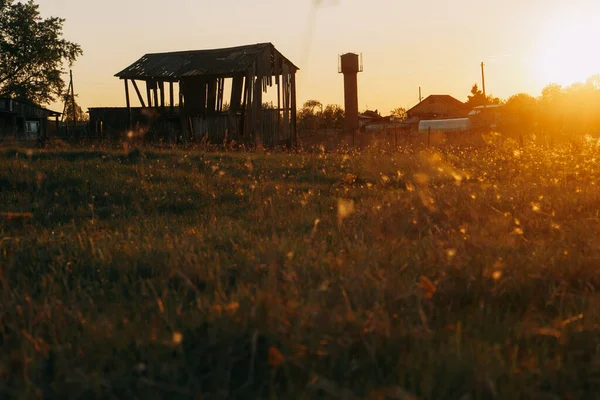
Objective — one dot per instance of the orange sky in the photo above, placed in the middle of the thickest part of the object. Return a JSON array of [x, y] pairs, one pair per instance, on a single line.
[[435, 44]]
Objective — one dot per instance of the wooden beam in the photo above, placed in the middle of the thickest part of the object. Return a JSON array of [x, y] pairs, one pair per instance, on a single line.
[[128, 105], [137, 90], [182, 114], [148, 94], [171, 97], [277, 77], [155, 90], [162, 94], [293, 90]]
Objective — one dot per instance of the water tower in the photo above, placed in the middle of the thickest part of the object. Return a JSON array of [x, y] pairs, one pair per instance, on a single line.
[[350, 65]]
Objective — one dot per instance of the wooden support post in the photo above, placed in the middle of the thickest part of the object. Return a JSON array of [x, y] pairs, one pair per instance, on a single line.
[[293, 106], [171, 97], [155, 90], [278, 61], [137, 90], [162, 94], [182, 114], [148, 94], [128, 105]]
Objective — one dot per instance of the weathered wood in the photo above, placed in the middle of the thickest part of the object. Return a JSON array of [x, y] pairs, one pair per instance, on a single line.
[[128, 104], [137, 90], [155, 90], [294, 127], [236, 93], [278, 85], [221, 87], [149, 93], [162, 93], [171, 97], [182, 113], [286, 102], [257, 102], [211, 97]]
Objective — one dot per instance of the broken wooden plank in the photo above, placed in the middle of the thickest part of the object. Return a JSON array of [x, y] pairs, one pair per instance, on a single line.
[[129, 117], [171, 97], [162, 93], [137, 90]]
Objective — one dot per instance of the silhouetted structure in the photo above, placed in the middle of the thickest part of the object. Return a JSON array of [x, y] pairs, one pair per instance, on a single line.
[[367, 117], [24, 121], [438, 106], [350, 67], [202, 76]]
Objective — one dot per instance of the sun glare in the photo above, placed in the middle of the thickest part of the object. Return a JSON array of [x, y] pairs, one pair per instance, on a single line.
[[566, 51]]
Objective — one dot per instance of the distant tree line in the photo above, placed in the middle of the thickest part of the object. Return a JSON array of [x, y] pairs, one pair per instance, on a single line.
[[313, 115], [559, 112]]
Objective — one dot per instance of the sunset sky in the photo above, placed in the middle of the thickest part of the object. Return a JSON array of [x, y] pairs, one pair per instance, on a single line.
[[435, 44]]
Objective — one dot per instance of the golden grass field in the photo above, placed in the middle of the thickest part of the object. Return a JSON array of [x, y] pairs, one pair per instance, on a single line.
[[442, 273]]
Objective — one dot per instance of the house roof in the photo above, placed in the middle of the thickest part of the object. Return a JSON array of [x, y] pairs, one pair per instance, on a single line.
[[51, 113], [174, 65], [442, 97], [370, 114]]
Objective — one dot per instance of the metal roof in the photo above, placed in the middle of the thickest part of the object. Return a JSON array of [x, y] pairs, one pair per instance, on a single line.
[[174, 65]]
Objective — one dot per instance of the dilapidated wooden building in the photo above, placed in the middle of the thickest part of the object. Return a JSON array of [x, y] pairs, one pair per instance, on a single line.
[[203, 107], [24, 121]]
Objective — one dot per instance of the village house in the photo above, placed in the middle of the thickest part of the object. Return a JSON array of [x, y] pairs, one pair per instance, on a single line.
[[24, 121], [439, 106]]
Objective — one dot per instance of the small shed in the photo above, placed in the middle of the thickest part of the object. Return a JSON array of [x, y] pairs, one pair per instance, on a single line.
[[25, 121], [202, 77]]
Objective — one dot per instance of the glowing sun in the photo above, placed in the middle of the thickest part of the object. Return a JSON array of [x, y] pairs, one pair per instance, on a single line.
[[568, 51]]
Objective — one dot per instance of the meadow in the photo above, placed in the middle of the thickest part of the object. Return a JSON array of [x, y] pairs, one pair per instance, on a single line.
[[443, 273]]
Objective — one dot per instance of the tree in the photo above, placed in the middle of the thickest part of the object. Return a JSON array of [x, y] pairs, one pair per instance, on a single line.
[[478, 99], [307, 117], [552, 103], [80, 115], [32, 53], [399, 113], [333, 117], [520, 113]]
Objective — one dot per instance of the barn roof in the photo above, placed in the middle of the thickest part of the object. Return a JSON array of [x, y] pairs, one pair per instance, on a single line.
[[175, 65], [5, 108]]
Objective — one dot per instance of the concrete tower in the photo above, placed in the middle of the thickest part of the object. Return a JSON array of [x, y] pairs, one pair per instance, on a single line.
[[349, 66]]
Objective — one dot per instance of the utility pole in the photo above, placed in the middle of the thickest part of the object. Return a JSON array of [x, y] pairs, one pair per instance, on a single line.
[[73, 99], [420, 98], [483, 85]]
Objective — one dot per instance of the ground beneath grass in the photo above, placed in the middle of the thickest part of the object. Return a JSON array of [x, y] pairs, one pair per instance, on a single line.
[[436, 274]]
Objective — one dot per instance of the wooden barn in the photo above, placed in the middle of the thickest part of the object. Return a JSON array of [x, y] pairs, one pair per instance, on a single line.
[[23, 121], [438, 106], [201, 79]]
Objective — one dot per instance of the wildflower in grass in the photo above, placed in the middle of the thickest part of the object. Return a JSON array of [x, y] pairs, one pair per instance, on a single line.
[[451, 253], [275, 357], [177, 338], [427, 287], [345, 208]]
